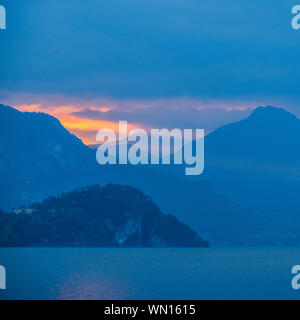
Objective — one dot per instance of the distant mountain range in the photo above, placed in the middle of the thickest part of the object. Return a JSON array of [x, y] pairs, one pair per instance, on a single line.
[[254, 162], [259, 155], [38, 158], [112, 216]]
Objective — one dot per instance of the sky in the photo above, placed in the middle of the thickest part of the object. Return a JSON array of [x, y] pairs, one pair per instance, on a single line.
[[154, 63]]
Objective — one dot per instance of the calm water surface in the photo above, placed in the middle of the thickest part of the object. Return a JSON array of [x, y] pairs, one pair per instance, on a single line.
[[214, 273]]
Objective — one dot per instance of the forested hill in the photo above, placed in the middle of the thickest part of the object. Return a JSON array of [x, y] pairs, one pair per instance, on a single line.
[[110, 216]]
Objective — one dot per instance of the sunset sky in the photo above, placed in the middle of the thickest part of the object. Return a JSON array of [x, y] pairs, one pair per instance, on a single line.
[[84, 120], [154, 63]]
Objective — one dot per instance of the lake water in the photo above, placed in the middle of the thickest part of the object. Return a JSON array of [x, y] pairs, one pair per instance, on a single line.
[[213, 273]]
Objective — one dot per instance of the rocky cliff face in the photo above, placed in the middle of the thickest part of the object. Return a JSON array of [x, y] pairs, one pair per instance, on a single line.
[[112, 216]]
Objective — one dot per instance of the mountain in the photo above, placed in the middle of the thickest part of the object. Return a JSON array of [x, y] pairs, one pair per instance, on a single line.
[[257, 158], [255, 162], [38, 158], [37, 155], [254, 159], [267, 140], [111, 216]]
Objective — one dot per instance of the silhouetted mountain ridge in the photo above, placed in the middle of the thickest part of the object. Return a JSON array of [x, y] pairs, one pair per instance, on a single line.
[[269, 135], [39, 159], [252, 159], [255, 162]]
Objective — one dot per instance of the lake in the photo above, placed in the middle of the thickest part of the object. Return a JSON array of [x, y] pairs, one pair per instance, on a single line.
[[88, 273]]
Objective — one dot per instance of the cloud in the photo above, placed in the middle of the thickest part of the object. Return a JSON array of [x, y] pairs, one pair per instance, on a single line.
[[85, 117], [208, 118], [151, 49]]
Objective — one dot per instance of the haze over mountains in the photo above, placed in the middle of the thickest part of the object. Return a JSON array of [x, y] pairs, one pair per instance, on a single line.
[[256, 162], [258, 155], [261, 153], [40, 158]]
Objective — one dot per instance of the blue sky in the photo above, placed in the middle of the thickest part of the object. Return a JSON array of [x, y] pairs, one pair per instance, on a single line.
[[220, 53]]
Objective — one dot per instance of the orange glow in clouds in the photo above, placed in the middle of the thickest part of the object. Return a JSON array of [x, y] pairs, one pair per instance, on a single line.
[[85, 129]]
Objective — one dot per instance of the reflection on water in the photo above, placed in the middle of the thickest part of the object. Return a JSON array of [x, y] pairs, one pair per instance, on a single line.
[[100, 286], [213, 273]]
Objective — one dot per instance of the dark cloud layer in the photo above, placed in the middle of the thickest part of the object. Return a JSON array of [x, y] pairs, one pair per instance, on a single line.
[[213, 49], [209, 118]]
